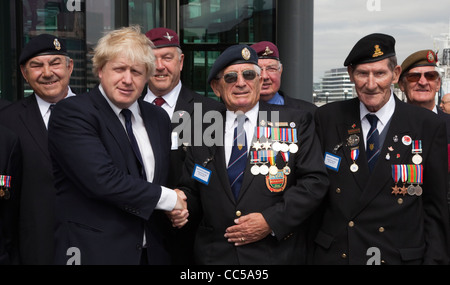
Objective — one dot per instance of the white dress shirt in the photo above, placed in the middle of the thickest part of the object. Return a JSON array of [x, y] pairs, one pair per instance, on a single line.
[[44, 106], [384, 115], [231, 124]]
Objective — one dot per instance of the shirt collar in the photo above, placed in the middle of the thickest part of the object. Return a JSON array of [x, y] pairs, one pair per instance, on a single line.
[[384, 114], [170, 98], [134, 108], [252, 116], [277, 99], [44, 105]]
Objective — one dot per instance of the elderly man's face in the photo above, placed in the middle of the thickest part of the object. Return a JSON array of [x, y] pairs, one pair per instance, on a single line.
[[423, 91], [48, 76], [373, 82], [242, 94]]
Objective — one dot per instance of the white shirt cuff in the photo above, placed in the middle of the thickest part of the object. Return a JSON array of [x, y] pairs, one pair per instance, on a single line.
[[168, 199]]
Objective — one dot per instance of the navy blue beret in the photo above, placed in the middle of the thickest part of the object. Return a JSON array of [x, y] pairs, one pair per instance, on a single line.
[[371, 48], [236, 54], [43, 44]]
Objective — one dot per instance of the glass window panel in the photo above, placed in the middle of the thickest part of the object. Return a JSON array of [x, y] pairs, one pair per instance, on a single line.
[[207, 27], [146, 13]]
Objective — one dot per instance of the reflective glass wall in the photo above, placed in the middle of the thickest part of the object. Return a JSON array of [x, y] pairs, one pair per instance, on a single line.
[[205, 27]]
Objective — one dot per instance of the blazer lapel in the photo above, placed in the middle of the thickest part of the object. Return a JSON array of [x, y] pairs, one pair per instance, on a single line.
[[115, 128], [32, 119], [382, 173]]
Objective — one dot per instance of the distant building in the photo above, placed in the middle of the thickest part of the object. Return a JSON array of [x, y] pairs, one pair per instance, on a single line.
[[335, 86]]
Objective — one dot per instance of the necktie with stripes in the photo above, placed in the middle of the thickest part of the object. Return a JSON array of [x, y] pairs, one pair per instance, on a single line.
[[373, 141], [238, 159]]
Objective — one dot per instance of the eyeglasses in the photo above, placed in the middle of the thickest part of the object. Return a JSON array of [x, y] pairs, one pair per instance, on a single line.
[[415, 76], [270, 69], [232, 77]]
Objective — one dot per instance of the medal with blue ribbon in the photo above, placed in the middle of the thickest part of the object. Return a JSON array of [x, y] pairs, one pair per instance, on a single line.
[[354, 155]]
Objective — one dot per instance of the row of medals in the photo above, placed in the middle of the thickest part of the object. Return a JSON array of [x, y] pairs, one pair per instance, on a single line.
[[353, 141], [277, 146]]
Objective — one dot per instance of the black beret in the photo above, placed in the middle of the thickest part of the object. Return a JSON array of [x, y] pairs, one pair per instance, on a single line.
[[371, 48], [236, 54], [43, 44], [419, 58]]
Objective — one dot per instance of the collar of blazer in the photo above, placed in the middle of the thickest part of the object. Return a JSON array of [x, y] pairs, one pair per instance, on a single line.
[[34, 123]]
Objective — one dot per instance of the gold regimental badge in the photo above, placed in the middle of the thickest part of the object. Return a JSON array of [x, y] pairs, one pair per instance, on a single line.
[[246, 54], [57, 44], [377, 52], [267, 51]]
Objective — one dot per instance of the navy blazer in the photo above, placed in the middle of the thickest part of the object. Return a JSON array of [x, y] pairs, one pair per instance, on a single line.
[[102, 206], [286, 212], [37, 186], [361, 212]]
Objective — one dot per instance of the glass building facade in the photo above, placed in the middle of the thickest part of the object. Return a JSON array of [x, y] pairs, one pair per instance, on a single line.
[[205, 28]]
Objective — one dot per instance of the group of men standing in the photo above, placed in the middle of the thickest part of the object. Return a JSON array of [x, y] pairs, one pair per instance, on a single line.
[[116, 175]]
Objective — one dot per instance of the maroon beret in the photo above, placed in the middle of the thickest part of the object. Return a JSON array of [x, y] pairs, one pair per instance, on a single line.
[[266, 49], [163, 37]]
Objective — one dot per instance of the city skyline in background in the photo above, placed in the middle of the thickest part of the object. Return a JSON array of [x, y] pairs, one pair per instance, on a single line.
[[338, 25]]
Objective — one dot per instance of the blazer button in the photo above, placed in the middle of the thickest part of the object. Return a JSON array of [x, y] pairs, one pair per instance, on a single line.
[[344, 255], [351, 224], [338, 190], [381, 229], [238, 213]]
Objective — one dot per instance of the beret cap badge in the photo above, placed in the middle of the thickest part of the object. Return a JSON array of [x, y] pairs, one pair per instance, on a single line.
[[267, 51], [430, 57], [377, 52], [57, 44], [246, 54]]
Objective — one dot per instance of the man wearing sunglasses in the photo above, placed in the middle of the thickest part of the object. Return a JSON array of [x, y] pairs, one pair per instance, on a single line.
[[387, 165], [250, 213], [420, 81], [271, 70]]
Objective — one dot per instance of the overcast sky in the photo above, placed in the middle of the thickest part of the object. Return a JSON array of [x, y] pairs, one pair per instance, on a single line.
[[339, 24]]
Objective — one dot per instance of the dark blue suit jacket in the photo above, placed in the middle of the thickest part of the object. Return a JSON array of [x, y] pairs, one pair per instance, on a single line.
[[102, 206]]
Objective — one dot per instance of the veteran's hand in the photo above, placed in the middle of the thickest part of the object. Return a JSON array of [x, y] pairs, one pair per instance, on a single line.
[[249, 228], [178, 216]]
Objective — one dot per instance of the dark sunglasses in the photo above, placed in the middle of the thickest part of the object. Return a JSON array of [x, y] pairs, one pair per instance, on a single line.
[[415, 76], [232, 77]]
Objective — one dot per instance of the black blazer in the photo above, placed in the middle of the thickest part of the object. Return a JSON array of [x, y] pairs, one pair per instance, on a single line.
[[360, 210], [38, 192], [10, 165], [187, 102], [102, 206], [298, 103], [284, 211]]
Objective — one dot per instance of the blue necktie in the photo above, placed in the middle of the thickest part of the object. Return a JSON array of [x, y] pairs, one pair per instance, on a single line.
[[134, 145], [238, 159], [373, 142]]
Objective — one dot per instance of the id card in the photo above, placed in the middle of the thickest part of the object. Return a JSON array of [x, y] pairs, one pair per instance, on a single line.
[[332, 161], [201, 174]]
